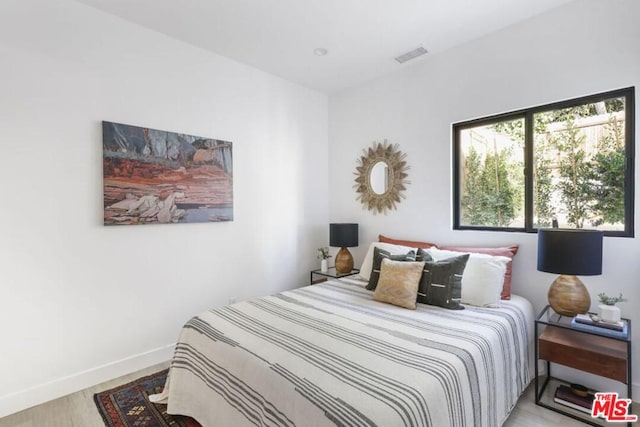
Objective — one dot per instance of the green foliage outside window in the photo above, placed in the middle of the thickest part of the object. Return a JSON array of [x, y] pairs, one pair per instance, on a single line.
[[575, 173], [489, 192], [579, 168], [608, 175], [545, 211]]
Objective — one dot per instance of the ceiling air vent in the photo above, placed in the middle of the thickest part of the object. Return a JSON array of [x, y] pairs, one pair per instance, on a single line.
[[411, 54]]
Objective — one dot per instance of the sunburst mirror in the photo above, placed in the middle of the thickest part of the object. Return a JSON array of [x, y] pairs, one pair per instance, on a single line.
[[381, 177]]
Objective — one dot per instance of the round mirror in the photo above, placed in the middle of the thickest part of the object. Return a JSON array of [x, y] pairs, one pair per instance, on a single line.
[[379, 177]]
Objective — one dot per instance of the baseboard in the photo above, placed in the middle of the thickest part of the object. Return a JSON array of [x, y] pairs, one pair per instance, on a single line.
[[18, 401]]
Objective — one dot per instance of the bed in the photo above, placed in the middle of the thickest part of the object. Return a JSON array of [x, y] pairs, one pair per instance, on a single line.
[[328, 354]]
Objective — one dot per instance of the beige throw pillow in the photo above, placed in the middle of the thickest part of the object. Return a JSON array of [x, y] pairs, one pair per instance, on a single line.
[[398, 283]]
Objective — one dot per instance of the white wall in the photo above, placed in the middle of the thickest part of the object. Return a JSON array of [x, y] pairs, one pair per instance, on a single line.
[[81, 303], [582, 48]]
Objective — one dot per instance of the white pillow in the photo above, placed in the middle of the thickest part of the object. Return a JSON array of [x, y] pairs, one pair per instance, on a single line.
[[367, 263], [482, 279]]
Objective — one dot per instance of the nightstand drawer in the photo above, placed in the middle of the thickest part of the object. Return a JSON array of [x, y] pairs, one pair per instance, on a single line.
[[590, 353]]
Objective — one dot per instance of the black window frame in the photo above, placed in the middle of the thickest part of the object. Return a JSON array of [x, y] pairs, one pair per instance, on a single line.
[[528, 113]]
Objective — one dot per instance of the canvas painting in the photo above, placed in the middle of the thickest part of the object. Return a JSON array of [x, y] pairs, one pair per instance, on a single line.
[[158, 177]]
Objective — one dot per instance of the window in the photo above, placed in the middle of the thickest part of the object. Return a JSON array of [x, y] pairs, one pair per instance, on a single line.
[[569, 163]]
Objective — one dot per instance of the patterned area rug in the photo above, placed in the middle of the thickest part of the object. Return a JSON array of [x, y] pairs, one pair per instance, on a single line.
[[129, 405]]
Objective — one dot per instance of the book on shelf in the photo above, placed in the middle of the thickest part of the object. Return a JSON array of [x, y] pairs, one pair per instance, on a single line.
[[587, 320], [565, 396], [623, 333]]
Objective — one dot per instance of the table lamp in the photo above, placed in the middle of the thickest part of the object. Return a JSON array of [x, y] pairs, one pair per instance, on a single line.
[[569, 252], [343, 236]]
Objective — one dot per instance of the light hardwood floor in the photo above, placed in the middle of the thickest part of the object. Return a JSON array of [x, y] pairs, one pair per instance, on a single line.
[[79, 409], [75, 410]]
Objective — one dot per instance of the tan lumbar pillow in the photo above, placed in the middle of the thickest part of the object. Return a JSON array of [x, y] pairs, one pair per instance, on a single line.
[[398, 283]]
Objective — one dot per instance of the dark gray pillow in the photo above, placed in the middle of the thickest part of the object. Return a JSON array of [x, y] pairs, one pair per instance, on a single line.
[[423, 255], [378, 256], [441, 281]]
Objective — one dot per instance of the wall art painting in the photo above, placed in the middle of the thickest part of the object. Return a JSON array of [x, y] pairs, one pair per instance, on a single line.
[[158, 177]]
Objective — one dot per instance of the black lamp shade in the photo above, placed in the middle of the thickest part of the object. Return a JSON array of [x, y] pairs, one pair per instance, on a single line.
[[574, 252], [343, 235]]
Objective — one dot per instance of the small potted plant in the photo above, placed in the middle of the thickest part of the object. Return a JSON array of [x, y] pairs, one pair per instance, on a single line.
[[323, 256], [607, 309]]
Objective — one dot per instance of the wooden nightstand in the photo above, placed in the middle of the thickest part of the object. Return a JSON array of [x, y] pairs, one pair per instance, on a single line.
[[558, 342], [330, 273]]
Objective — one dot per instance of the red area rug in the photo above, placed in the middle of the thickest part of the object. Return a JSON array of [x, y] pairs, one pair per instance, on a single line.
[[129, 405]]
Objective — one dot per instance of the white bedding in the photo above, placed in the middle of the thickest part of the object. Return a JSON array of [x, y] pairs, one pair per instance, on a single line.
[[329, 355]]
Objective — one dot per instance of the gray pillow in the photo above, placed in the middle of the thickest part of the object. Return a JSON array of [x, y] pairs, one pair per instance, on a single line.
[[378, 256], [441, 281]]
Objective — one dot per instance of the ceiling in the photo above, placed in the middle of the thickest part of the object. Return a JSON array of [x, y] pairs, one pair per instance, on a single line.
[[362, 36]]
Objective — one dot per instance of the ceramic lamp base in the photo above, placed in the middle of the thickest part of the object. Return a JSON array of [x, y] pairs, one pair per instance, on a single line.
[[344, 261], [568, 296]]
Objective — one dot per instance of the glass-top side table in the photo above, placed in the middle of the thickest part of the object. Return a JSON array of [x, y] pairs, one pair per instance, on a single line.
[[331, 273]]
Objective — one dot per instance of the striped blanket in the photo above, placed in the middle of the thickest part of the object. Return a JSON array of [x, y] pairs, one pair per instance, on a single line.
[[328, 354]]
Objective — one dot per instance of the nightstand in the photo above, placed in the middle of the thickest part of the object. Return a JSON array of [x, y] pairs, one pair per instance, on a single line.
[[556, 341], [330, 273]]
